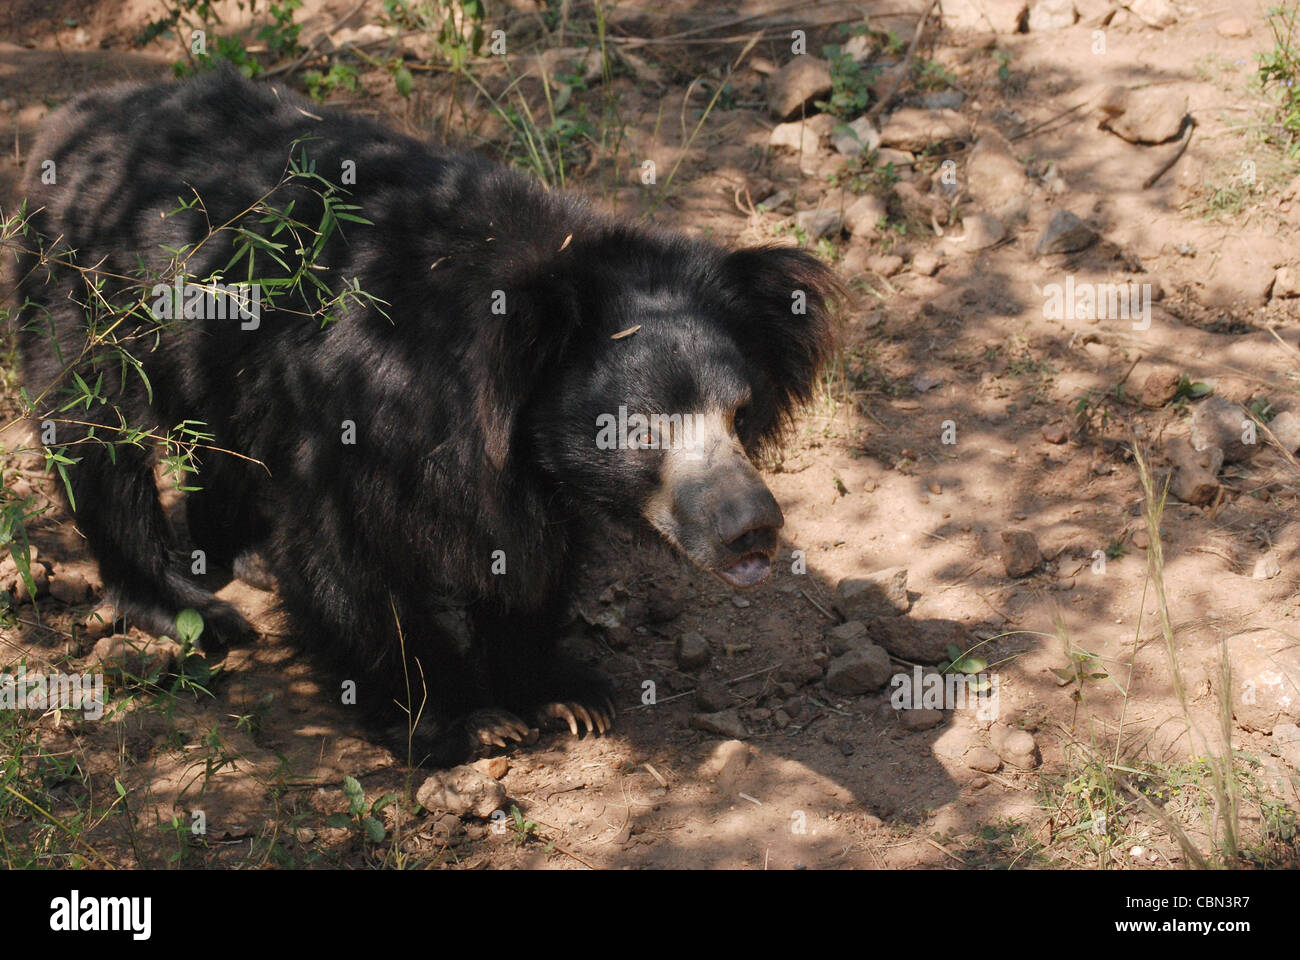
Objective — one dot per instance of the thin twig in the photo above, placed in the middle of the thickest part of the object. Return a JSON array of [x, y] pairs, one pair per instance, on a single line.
[[903, 67]]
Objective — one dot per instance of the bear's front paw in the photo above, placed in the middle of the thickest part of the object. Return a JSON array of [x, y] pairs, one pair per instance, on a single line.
[[597, 718], [493, 727]]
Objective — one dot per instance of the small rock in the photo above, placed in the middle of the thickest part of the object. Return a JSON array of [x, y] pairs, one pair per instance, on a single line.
[[1267, 566], [864, 216], [979, 232], [803, 79], [725, 723], [727, 764], [1020, 554], [1286, 428], [819, 223], [1233, 27], [885, 265], [1286, 283], [887, 156], [926, 264], [1016, 747], [994, 176], [712, 696], [981, 16], [943, 100], [99, 623], [861, 670], [879, 594], [855, 261], [914, 129], [1148, 115], [920, 641], [69, 587], [799, 672], [920, 719], [1051, 15], [1286, 743], [861, 136], [1265, 679], [844, 637], [982, 759], [1221, 423], [1195, 478], [1159, 387], [692, 651], [137, 658], [462, 791], [40, 578], [494, 767], [1064, 233], [1055, 432], [796, 135], [1154, 13]]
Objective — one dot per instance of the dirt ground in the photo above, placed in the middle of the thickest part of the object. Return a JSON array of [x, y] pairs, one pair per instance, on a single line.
[[960, 407]]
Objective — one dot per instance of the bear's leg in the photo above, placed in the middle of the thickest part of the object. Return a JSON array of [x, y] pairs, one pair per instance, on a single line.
[[224, 523], [528, 676], [117, 509]]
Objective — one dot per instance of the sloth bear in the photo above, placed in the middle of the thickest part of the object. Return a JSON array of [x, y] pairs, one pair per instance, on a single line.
[[439, 377]]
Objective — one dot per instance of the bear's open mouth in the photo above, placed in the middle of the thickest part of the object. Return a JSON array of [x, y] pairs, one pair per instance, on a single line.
[[750, 570]]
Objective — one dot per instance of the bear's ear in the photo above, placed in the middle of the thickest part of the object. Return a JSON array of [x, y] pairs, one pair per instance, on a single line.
[[519, 342], [778, 304]]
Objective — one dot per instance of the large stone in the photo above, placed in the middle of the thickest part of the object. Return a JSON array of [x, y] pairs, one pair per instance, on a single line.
[[135, 658], [861, 136], [919, 641], [1020, 553], [1221, 423], [1159, 386], [979, 232], [1148, 115], [819, 223], [70, 587], [1265, 679], [1286, 283], [790, 89], [860, 670], [1286, 428], [725, 723], [846, 636], [864, 216], [727, 764], [1064, 233], [1195, 477], [913, 129], [797, 135], [1154, 13], [462, 791], [1051, 15], [1000, 16], [879, 594], [692, 650], [994, 177], [1016, 747]]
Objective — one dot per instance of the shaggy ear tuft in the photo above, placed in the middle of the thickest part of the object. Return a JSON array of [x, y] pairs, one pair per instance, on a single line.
[[518, 347], [779, 302]]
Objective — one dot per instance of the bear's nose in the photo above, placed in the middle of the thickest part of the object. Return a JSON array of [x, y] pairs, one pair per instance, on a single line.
[[746, 522]]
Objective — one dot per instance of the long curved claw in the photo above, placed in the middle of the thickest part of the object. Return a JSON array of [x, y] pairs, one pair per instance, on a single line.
[[562, 712], [581, 717], [494, 727]]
